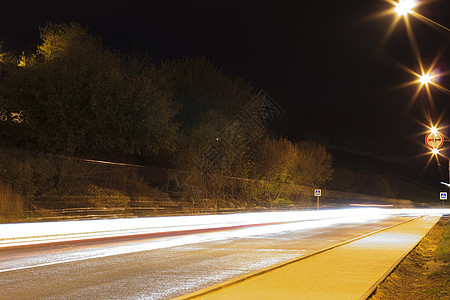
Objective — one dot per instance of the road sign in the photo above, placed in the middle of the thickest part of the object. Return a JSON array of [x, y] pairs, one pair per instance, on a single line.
[[443, 195], [317, 192], [434, 140]]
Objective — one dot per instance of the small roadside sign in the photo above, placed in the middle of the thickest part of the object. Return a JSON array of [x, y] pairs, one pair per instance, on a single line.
[[443, 195], [434, 140], [318, 193]]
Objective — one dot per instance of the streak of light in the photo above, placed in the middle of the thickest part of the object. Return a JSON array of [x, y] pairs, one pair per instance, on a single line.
[[45, 232], [423, 18], [299, 221], [371, 205], [111, 163]]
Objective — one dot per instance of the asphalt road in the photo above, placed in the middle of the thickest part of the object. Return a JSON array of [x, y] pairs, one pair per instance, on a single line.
[[165, 267]]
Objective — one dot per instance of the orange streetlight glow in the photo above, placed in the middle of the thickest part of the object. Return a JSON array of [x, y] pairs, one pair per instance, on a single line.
[[435, 151], [425, 78], [404, 7], [433, 130]]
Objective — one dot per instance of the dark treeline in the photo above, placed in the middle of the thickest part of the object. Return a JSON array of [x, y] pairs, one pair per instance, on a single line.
[[75, 97]]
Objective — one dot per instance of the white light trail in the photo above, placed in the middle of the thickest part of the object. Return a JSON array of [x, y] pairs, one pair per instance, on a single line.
[[284, 222], [45, 232]]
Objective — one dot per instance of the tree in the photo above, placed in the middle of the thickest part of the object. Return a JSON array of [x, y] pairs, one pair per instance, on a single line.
[[76, 96], [273, 159], [278, 159], [199, 86], [211, 103], [314, 164]]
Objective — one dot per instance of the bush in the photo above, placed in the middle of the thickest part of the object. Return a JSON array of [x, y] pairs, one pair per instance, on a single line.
[[104, 197], [29, 176], [11, 203]]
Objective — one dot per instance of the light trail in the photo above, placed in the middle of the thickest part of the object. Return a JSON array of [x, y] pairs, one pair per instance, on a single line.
[[371, 205], [51, 232], [271, 223], [45, 232]]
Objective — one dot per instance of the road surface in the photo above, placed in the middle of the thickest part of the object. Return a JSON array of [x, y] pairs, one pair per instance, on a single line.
[[166, 267]]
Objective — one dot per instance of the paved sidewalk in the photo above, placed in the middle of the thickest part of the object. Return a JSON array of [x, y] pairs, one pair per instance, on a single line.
[[350, 271]]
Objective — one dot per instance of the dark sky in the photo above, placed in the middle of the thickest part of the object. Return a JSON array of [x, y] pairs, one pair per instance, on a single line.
[[323, 62]]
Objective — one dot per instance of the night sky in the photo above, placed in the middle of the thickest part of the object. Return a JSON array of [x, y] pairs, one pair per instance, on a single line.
[[325, 63]]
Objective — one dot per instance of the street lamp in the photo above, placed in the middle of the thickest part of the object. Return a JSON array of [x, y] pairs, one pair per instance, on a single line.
[[434, 140], [404, 7], [435, 151], [431, 78], [433, 130], [425, 78]]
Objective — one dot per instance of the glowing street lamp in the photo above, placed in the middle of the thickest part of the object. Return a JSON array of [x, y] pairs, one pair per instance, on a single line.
[[434, 151], [433, 130], [425, 79], [430, 78], [404, 7], [434, 140]]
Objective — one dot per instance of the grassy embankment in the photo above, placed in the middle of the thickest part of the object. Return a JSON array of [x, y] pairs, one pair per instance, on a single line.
[[425, 272]]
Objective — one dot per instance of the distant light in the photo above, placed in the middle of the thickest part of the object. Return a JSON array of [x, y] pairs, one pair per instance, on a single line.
[[371, 205], [434, 130], [404, 7], [435, 151], [425, 78]]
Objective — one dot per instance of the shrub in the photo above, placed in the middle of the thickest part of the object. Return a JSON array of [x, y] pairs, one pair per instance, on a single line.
[[104, 197], [12, 204]]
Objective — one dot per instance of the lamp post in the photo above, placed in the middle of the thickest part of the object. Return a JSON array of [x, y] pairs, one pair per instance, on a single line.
[[403, 8], [434, 140], [429, 78]]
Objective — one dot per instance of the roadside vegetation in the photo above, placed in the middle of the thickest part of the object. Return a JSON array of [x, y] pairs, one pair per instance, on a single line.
[[207, 134], [443, 249], [12, 204]]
